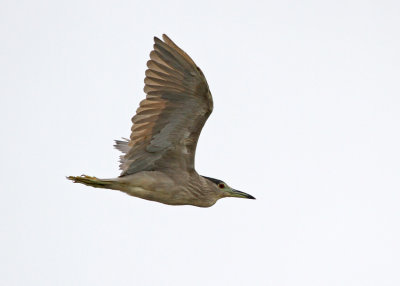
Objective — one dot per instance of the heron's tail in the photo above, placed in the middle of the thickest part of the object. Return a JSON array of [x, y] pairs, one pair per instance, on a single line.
[[93, 181]]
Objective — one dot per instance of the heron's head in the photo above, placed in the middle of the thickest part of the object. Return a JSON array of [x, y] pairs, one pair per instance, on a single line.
[[227, 191]]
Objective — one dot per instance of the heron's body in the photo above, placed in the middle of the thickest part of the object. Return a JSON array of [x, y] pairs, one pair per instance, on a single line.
[[161, 187], [158, 160]]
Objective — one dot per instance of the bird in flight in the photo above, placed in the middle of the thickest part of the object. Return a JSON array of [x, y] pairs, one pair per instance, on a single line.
[[158, 160]]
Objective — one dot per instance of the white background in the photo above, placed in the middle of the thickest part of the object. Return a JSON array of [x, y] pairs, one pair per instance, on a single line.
[[306, 118]]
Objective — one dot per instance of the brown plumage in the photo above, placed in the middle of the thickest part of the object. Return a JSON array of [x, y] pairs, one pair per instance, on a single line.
[[168, 122], [158, 159]]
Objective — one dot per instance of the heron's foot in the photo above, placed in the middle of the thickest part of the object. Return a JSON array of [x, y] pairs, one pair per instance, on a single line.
[[92, 181], [77, 179]]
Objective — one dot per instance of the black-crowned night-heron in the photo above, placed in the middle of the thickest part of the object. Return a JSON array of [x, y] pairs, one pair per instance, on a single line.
[[158, 160]]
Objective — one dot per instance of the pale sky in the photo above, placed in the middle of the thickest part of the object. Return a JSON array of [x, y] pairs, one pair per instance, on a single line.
[[306, 119]]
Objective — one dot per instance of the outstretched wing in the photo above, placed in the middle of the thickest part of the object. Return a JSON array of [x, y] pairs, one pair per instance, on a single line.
[[168, 122]]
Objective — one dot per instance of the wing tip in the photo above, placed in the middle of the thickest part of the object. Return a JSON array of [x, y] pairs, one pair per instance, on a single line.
[[122, 145], [166, 38]]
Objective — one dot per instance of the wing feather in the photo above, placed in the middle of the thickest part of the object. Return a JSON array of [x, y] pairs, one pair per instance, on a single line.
[[167, 124]]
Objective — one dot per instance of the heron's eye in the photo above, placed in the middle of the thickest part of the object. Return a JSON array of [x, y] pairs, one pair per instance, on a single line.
[[221, 185]]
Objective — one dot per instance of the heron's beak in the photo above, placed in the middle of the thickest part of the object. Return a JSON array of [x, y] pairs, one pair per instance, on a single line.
[[239, 194]]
